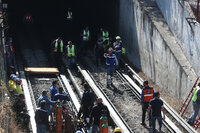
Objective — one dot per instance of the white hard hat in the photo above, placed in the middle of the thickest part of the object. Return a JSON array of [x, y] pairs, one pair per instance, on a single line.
[[118, 37], [110, 50]]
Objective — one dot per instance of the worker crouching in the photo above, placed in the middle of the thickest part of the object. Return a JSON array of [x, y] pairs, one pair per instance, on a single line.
[[111, 62]]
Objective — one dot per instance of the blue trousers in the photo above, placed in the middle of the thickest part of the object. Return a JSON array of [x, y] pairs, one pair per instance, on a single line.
[[41, 128], [118, 55], [153, 120], [196, 108], [71, 62]]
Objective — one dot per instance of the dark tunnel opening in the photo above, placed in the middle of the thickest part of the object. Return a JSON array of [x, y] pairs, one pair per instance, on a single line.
[[50, 21]]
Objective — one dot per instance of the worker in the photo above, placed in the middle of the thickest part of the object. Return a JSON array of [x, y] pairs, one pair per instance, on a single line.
[[57, 50], [196, 105], [28, 19], [111, 62], [156, 106], [41, 118], [48, 102], [118, 48], [87, 103], [53, 89], [99, 50], [146, 96], [69, 14], [117, 130], [105, 35], [97, 111], [71, 55], [86, 37], [63, 97], [21, 111]]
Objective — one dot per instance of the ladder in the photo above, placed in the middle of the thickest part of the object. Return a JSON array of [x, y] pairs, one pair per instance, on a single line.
[[196, 124], [187, 101]]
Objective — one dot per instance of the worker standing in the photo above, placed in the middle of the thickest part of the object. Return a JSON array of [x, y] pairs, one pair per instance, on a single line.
[[99, 50], [48, 102], [118, 48], [196, 105], [111, 62], [63, 97], [105, 35], [57, 52], [146, 96], [53, 89], [97, 111], [87, 103], [41, 118], [71, 54], [86, 37], [156, 106]]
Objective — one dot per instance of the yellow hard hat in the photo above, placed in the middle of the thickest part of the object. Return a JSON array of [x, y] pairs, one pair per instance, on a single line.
[[118, 37], [117, 130]]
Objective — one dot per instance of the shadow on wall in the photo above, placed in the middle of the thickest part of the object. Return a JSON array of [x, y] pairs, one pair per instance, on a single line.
[[128, 31]]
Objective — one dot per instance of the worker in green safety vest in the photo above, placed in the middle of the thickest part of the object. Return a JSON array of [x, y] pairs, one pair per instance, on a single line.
[[85, 43], [196, 105], [69, 14], [57, 52], [71, 55], [105, 35]]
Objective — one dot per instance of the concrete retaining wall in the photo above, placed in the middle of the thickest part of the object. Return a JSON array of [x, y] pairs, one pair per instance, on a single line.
[[153, 48], [188, 36]]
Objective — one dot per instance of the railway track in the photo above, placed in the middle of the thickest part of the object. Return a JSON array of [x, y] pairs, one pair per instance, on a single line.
[[126, 88], [132, 87]]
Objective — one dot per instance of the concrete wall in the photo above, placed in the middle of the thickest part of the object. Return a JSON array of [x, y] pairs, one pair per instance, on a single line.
[[153, 48], [175, 13]]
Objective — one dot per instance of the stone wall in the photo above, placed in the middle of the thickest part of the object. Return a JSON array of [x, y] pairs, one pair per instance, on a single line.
[[176, 13], [153, 48]]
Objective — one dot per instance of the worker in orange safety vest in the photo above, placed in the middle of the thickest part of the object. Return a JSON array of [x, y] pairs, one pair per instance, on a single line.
[[146, 96]]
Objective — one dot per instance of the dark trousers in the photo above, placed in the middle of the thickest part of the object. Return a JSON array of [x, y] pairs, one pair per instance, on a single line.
[[99, 57], [144, 110]]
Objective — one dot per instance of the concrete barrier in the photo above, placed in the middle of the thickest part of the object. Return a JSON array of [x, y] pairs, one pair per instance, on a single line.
[[152, 47]]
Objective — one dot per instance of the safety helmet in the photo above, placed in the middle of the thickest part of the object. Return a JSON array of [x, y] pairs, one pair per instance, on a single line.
[[117, 130], [69, 42], [78, 131], [117, 37], [110, 49]]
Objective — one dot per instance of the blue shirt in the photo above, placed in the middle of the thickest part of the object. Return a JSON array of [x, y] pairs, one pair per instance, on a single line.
[[111, 60], [48, 103], [62, 97], [53, 92]]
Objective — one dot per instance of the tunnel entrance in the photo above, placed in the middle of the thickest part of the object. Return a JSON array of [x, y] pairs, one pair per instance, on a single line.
[[50, 21]]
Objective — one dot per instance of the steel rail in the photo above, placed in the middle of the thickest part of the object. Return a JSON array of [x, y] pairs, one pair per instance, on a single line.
[[30, 106], [113, 111], [167, 107]]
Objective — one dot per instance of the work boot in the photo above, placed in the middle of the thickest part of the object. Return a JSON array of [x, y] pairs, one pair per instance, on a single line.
[[143, 124], [190, 123]]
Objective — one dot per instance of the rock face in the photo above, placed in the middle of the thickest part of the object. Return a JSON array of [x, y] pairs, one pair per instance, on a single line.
[[152, 47]]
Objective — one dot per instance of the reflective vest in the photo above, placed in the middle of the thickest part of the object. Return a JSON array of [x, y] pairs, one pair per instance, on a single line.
[[105, 36], [123, 50], [148, 94], [11, 85], [86, 35], [56, 46], [194, 98], [70, 51], [69, 17]]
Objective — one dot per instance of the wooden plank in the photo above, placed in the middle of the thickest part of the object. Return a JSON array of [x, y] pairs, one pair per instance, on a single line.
[[41, 70]]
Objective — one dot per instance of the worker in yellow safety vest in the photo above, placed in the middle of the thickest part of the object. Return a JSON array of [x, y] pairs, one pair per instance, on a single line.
[[57, 52], [105, 35], [14, 84], [71, 54], [196, 105], [85, 43]]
